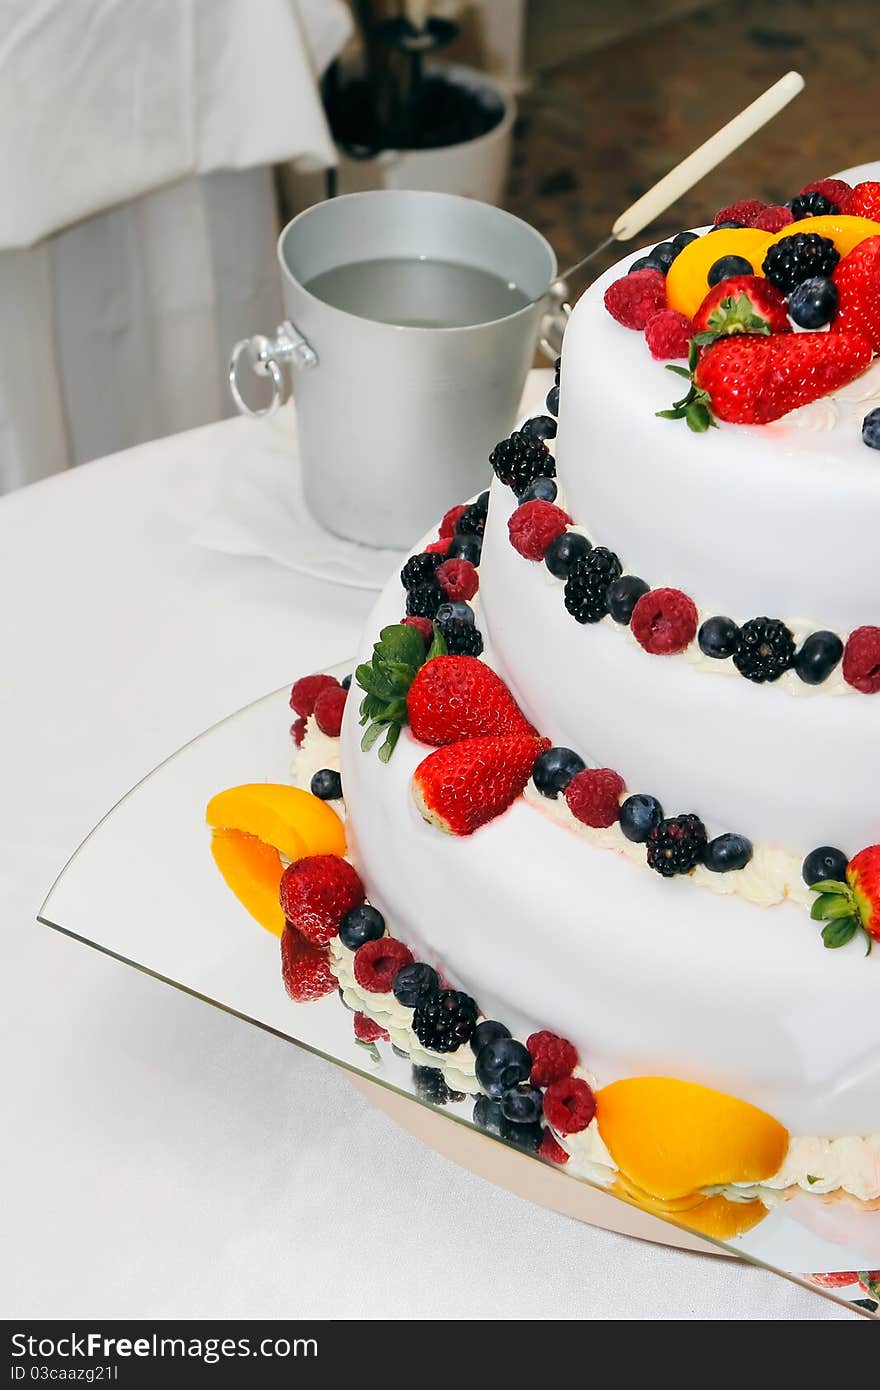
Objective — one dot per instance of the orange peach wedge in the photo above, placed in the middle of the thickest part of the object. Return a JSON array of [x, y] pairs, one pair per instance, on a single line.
[[687, 283], [845, 232], [715, 1216], [294, 821], [255, 829], [673, 1137]]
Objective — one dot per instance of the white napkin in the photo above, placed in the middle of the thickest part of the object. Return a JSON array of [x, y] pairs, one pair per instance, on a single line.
[[258, 506], [258, 509]]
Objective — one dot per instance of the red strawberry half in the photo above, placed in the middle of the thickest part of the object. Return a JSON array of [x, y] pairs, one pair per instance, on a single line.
[[752, 380], [851, 906], [743, 304], [461, 787], [455, 697], [864, 201], [857, 281]]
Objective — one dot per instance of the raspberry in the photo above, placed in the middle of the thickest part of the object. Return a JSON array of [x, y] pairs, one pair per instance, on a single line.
[[864, 201], [366, 1031], [668, 334], [316, 892], [305, 968], [447, 525], [636, 298], [422, 625], [553, 1058], [773, 219], [439, 547], [835, 190], [534, 525], [593, 796], [377, 962], [861, 660], [306, 691], [551, 1149], [328, 710], [298, 732], [458, 579], [745, 211], [664, 621], [569, 1105]]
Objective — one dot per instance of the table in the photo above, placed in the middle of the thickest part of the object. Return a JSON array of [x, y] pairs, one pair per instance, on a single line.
[[163, 1159]]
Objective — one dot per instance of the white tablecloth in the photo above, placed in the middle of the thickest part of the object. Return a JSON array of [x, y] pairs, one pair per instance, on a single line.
[[160, 1158]]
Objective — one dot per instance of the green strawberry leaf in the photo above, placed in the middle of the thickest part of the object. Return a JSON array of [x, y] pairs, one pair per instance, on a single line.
[[696, 407], [811, 1178], [386, 679], [839, 932], [679, 371], [390, 743], [830, 885], [438, 646]]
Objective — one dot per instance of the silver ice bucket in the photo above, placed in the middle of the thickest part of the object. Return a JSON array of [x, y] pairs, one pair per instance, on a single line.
[[396, 423]]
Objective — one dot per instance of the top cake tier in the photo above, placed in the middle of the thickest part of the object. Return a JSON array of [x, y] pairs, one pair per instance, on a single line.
[[779, 519]]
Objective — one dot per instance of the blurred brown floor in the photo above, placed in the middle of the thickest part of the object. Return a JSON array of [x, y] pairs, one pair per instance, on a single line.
[[599, 128]]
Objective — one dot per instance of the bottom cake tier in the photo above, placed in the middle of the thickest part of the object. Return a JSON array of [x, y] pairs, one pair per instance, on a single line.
[[646, 976]]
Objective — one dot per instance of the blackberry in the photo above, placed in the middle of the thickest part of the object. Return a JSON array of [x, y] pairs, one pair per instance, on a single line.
[[446, 1021], [423, 600], [586, 588], [420, 568], [461, 637], [520, 459], [676, 845], [812, 205], [430, 1084], [472, 522], [764, 651], [799, 257]]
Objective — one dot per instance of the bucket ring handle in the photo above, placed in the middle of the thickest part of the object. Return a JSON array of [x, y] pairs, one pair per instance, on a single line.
[[266, 357]]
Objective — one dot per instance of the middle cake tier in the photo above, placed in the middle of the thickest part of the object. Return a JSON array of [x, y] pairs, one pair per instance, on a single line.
[[786, 769]]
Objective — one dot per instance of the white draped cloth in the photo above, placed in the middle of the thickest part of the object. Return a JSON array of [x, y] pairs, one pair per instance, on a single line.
[[137, 214]]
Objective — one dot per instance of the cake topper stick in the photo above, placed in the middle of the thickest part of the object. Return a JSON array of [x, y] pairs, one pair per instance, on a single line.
[[677, 182]]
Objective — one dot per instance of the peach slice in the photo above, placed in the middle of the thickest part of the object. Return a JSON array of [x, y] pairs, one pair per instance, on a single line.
[[687, 283], [252, 869], [717, 1217], [673, 1137], [293, 821], [845, 232]]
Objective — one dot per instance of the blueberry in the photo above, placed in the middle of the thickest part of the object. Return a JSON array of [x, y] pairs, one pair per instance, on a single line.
[[727, 266], [647, 263], [818, 657], [486, 1032], [665, 253], [871, 429], [346, 681], [540, 427], [683, 239], [638, 816], [718, 637], [526, 1137], [415, 983], [543, 489], [623, 595], [361, 924], [326, 784], [522, 1104], [561, 554], [501, 1064], [813, 302], [824, 864], [554, 770], [727, 852], [487, 1114], [466, 548], [552, 401], [458, 609], [719, 226]]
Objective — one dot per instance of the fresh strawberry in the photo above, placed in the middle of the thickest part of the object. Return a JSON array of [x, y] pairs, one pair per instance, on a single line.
[[461, 787], [836, 1279], [305, 968], [366, 1030], [742, 304], [870, 1281], [750, 380], [316, 892], [853, 905], [455, 697], [857, 281], [864, 201]]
